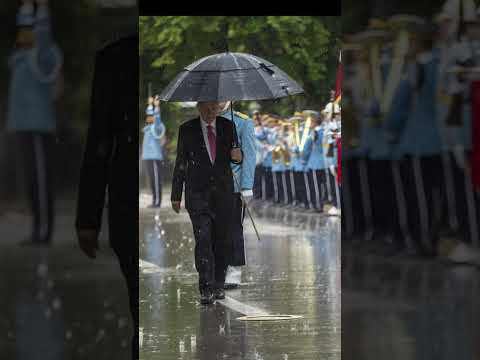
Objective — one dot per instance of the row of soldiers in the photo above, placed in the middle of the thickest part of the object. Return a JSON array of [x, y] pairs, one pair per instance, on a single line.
[[410, 100], [297, 159]]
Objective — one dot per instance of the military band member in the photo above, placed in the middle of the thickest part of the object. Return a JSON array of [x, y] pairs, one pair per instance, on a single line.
[[417, 135], [278, 164], [264, 135], [257, 183], [314, 157]]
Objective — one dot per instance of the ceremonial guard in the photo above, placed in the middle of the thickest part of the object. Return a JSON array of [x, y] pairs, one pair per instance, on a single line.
[[415, 129], [35, 65], [331, 131], [267, 137], [352, 100], [279, 153], [152, 154], [243, 184], [259, 170], [457, 121], [316, 165], [297, 183]]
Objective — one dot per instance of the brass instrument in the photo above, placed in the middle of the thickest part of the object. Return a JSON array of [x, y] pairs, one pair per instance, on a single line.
[[280, 152]]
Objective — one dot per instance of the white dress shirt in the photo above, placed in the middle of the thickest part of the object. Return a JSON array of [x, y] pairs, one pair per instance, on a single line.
[[205, 134]]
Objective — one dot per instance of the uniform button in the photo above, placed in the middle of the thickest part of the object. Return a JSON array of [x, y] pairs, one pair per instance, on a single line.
[[129, 139]]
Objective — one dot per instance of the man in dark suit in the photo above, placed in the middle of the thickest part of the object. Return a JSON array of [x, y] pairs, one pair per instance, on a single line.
[[112, 147], [206, 147]]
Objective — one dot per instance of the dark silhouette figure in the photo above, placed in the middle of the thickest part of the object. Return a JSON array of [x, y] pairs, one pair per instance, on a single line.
[[111, 149]]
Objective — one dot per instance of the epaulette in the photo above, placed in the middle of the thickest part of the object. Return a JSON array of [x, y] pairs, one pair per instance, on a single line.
[[241, 115]]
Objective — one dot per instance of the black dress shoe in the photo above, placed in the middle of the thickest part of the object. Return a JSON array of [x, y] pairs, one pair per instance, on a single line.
[[206, 299], [230, 286], [219, 294]]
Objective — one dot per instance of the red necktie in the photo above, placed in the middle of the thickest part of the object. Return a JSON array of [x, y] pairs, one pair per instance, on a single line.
[[212, 142]]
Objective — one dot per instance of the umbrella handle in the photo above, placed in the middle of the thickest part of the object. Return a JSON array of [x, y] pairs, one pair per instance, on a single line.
[[235, 144]]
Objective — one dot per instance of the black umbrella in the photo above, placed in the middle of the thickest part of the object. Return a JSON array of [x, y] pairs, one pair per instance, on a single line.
[[230, 76], [227, 77]]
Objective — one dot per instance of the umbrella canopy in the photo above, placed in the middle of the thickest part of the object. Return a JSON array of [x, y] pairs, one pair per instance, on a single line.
[[230, 76]]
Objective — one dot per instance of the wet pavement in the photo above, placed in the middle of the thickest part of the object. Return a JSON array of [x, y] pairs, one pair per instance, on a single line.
[[294, 270], [56, 303], [394, 308]]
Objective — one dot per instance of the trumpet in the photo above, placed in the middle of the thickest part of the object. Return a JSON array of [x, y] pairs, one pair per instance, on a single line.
[[280, 153]]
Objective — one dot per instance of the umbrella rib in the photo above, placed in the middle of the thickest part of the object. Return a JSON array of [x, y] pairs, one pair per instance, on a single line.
[[196, 64], [242, 85], [176, 85], [262, 75]]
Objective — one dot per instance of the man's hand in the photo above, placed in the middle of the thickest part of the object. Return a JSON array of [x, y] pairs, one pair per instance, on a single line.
[[88, 241], [236, 154], [176, 206]]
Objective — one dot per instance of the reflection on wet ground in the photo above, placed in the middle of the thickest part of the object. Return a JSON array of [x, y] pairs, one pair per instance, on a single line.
[[57, 304], [295, 270], [396, 308]]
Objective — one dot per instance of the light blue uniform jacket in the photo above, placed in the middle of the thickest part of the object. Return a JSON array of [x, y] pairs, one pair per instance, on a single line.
[[413, 115], [32, 84], [244, 172], [152, 133], [313, 153]]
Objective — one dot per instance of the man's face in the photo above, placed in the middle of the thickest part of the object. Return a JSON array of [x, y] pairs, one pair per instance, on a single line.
[[256, 118], [209, 110]]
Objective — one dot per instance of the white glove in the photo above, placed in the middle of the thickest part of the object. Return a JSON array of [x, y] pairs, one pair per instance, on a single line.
[[247, 196]]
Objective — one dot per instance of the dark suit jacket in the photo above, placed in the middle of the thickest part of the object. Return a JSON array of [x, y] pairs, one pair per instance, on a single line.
[[111, 153], [193, 167]]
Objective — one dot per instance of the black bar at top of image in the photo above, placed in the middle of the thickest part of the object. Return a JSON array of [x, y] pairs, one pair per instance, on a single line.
[[152, 7]]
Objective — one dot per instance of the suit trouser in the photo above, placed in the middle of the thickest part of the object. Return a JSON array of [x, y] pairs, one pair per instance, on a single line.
[[36, 149], [257, 182], [422, 177], [128, 260], [316, 181], [212, 230], [300, 188], [238, 242], [154, 174]]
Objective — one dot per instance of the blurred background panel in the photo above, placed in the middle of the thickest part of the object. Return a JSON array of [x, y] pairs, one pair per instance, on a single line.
[[56, 303]]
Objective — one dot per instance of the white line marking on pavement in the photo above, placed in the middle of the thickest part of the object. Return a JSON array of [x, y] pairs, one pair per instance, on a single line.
[[241, 308], [229, 302]]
